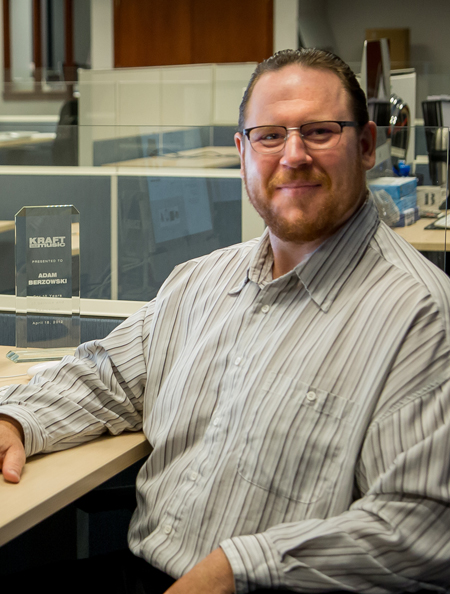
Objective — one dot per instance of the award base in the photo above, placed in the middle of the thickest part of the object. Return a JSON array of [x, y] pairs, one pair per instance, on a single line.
[[36, 355]]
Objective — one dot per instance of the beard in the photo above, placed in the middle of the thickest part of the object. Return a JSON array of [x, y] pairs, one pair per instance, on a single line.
[[311, 222]]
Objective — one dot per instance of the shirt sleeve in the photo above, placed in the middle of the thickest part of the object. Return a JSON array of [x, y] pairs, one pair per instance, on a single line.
[[100, 389], [395, 537]]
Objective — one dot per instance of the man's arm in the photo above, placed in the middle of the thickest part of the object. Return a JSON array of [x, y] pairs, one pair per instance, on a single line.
[[12, 452], [213, 575], [100, 389], [394, 538]]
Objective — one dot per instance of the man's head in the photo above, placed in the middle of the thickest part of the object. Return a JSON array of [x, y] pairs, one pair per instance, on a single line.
[[305, 191], [310, 58]]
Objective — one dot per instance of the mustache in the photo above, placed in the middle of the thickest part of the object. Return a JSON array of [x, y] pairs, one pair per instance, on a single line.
[[301, 176]]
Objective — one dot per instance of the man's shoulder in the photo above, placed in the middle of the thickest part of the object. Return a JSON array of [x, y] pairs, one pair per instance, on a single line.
[[235, 252], [402, 256], [222, 266]]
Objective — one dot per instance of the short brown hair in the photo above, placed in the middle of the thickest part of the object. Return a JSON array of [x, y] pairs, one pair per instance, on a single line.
[[310, 58]]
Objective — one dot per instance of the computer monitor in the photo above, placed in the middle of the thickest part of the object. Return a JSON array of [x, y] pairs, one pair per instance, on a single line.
[[166, 220]]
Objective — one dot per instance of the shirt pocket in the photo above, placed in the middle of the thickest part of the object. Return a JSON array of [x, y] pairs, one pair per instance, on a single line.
[[295, 439]]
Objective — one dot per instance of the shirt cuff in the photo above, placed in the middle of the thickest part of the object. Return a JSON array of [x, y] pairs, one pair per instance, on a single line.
[[33, 435], [253, 559]]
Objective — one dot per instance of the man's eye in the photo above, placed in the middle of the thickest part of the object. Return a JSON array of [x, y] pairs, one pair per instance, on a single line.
[[318, 132], [271, 136], [268, 136]]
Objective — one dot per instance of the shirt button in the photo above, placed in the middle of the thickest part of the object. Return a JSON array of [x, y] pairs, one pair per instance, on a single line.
[[193, 475], [265, 308], [215, 422], [167, 529], [311, 396], [237, 360]]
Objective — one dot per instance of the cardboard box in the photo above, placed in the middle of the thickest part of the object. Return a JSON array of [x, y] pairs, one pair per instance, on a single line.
[[408, 217], [395, 186]]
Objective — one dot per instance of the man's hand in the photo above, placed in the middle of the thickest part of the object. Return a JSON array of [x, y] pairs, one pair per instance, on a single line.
[[213, 575], [12, 452]]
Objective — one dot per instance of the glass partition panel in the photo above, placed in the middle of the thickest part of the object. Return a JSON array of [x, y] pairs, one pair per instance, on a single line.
[[151, 197]]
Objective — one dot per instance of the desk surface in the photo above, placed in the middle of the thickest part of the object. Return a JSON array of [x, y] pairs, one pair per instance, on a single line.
[[19, 139], [51, 481], [207, 157], [424, 240]]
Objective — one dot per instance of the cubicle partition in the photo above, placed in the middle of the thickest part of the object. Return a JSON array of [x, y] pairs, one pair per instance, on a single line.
[[141, 214], [161, 195], [116, 105]]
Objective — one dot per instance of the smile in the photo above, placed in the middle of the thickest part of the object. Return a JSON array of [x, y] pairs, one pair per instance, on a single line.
[[295, 185]]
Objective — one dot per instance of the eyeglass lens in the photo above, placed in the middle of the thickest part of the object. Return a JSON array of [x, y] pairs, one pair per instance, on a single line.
[[317, 135]]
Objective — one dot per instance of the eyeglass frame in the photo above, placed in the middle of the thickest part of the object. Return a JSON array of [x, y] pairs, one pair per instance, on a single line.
[[342, 124]]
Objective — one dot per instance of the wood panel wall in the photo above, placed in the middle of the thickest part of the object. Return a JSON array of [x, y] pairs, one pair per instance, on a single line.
[[164, 32]]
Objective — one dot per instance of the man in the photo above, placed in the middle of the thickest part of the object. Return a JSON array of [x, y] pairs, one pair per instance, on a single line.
[[294, 389]]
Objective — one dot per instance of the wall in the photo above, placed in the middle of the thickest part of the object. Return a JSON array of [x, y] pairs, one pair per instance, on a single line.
[[314, 28], [102, 34], [26, 108], [82, 31], [346, 21], [428, 24], [285, 18], [21, 45], [285, 35]]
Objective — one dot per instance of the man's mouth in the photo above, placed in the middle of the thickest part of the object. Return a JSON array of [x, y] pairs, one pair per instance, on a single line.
[[292, 185]]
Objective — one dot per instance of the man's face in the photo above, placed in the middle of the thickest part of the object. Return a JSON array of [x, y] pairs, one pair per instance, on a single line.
[[305, 195]]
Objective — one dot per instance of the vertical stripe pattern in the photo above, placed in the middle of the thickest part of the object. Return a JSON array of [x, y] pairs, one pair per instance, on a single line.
[[301, 423]]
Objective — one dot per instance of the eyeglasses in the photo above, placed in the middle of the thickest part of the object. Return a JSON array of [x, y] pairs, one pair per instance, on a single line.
[[315, 135]]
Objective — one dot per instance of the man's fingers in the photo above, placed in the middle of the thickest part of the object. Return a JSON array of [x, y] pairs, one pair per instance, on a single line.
[[12, 452], [13, 463]]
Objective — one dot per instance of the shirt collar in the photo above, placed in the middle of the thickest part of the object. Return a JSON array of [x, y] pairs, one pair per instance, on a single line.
[[327, 269]]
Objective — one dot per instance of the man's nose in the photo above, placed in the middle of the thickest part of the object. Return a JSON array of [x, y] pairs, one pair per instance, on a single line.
[[295, 153]]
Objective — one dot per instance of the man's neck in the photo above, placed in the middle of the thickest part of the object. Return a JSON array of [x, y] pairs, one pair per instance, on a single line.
[[287, 255]]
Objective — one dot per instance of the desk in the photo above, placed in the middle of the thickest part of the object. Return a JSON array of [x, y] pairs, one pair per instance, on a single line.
[[424, 240], [52, 481], [19, 139], [204, 157]]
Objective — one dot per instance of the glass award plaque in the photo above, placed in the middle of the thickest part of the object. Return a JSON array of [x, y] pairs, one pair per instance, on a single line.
[[47, 283]]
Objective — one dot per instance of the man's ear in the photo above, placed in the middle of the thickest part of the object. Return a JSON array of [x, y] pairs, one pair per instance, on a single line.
[[239, 142], [368, 144]]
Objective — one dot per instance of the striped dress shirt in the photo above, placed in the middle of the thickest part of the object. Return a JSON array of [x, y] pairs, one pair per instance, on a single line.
[[302, 423]]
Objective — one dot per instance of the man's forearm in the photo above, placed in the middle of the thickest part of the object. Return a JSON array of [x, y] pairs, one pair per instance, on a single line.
[[212, 575], [15, 424]]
